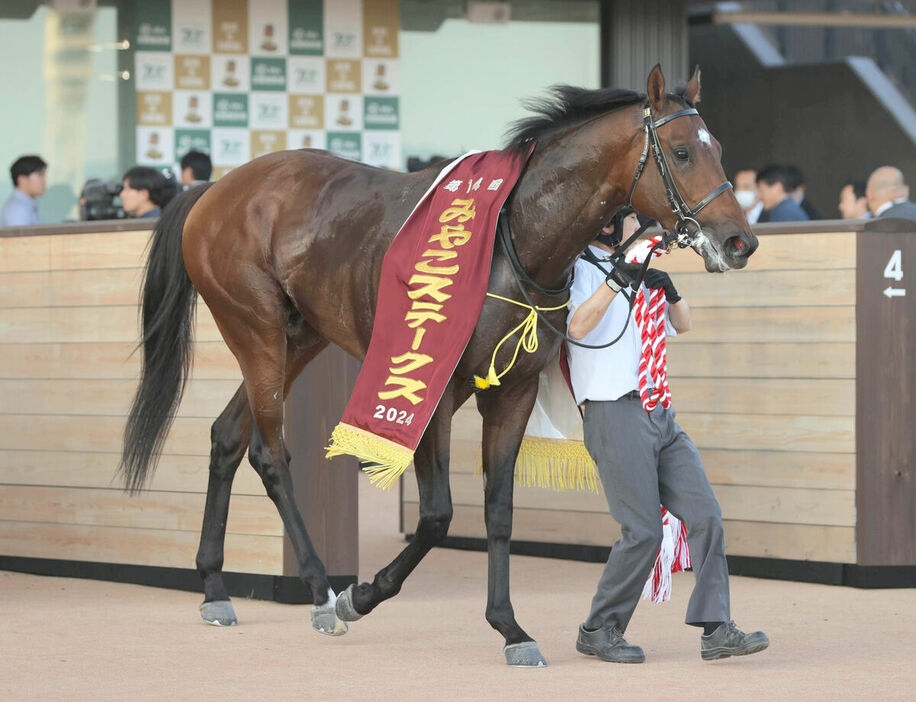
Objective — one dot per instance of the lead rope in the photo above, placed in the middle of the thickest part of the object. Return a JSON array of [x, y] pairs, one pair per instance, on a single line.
[[649, 314], [653, 362]]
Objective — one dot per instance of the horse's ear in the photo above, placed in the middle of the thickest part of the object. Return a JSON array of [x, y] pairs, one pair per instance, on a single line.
[[692, 93], [655, 88]]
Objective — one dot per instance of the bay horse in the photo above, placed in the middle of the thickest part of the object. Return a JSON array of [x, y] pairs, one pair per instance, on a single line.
[[286, 251]]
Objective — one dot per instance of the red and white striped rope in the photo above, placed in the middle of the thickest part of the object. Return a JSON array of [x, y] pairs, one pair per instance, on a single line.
[[650, 318]]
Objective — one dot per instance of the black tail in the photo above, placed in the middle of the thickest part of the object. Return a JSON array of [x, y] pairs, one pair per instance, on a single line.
[[168, 301]]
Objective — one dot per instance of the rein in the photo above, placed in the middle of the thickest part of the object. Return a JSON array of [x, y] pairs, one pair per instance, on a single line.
[[686, 230], [520, 275]]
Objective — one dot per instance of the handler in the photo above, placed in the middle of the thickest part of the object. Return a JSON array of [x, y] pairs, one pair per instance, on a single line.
[[645, 460]]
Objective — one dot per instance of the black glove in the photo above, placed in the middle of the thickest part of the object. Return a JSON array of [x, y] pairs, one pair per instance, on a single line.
[[659, 280], [622, 275]]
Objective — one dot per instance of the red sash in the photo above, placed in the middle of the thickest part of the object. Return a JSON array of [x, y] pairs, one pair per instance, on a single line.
[[433, 283]]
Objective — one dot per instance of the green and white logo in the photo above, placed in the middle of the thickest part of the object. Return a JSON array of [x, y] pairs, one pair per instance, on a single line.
[[345, 144], [230, 110], [191, 140], [268, 74], [380, 113]]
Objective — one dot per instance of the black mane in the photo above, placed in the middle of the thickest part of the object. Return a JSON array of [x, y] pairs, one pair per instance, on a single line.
[[567, 105]]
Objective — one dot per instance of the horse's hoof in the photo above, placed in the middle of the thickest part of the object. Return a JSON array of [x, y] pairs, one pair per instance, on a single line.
[[324, 618], [218, 613], [524, 655], [344, 607]]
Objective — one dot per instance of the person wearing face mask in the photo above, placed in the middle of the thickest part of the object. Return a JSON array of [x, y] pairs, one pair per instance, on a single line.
[[746, 194], [643, 457]]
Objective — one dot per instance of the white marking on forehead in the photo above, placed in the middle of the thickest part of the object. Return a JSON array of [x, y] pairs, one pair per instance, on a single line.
[[703, 136]]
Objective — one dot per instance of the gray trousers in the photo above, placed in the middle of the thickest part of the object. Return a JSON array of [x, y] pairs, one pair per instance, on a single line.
[[645, 460]]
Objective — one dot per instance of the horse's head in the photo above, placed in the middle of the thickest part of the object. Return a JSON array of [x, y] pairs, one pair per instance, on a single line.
[[682, 184]]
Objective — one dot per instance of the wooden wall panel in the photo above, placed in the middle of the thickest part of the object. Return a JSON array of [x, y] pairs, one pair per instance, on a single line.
[[31, 253], [886, 470], [175, 473], [68, 330], [190, 436], [115, 286], [105, 360], [244, 553], [107, 250], [764, 383], [812, 252], [109, 397], [178, 511], [801, 324], [780, 396], [770, 432], [768, 288], [85, 324], [791, 469], [691, 359]]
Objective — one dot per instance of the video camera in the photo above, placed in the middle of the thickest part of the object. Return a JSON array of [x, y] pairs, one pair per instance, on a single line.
[[97, 201]]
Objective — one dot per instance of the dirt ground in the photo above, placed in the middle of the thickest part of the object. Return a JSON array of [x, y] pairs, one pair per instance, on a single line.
[[68, 639]]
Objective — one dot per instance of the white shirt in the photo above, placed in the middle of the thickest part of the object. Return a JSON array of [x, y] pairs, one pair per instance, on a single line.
[[19, 210], [604, 374], [753, 214]]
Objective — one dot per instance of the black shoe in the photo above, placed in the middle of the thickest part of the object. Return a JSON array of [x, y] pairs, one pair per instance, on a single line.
[[608, 645], [729, 640]]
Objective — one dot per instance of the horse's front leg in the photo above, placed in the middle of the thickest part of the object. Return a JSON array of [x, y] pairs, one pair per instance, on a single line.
[[505, 414], [431, 467]]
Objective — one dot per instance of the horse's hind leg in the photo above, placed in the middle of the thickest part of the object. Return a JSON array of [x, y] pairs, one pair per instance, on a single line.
[[505, 415], [229, 438], [431, 466], [263, 366]]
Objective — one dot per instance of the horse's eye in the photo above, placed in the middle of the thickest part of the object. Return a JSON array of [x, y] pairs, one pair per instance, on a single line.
[[681, 153]]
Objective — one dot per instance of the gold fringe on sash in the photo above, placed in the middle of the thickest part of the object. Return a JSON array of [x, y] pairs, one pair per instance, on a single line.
[[556, 464], [388, 459]]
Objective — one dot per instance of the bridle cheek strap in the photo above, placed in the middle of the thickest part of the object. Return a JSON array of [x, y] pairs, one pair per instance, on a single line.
[[687, 228]]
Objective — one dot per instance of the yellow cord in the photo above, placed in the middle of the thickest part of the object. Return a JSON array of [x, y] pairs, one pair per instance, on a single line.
[[528, 340]]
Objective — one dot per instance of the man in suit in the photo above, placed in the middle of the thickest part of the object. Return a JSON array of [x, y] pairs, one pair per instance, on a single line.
[[774, 184], [888, 194]]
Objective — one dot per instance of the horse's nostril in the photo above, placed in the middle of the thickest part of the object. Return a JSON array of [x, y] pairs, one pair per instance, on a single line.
[[738, 246]]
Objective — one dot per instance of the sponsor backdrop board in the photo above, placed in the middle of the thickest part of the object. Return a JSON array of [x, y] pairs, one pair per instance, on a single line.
[[241, 78]]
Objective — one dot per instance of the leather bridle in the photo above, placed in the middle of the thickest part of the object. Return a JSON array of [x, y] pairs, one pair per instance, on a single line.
[[687, 228], [685, 233]]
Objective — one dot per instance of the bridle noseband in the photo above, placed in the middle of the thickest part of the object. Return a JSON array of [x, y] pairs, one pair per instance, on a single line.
[[687, 228]]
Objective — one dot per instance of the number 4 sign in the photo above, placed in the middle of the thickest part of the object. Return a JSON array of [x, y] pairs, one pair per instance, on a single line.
[[894, 271]]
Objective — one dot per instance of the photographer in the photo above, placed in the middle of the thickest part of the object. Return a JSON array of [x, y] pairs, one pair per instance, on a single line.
[[146, 191]]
